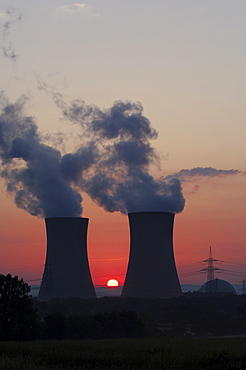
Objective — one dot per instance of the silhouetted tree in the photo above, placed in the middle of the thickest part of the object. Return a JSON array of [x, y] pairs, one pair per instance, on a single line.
[[18, 318]]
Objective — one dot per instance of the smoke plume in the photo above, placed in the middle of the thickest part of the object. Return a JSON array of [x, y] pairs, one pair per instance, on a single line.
[[32, 170], [111, 164], [120, 180]]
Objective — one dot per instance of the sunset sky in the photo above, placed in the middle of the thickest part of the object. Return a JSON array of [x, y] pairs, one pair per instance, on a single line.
[[185, 62]]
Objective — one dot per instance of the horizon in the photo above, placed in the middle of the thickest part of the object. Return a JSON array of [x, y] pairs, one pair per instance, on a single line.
[[105, 291]]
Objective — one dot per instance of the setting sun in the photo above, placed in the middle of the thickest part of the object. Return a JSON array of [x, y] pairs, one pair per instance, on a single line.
[[112, 283]]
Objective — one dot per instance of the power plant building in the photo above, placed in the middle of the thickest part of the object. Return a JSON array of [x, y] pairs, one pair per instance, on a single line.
[[66, 272], [151, 269], [221, 287]]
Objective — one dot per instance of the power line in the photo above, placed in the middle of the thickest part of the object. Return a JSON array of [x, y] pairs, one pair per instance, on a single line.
[[211, 270]]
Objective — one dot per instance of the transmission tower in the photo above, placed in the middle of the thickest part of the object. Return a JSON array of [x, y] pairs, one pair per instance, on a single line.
[[210, 269], [243, 289]]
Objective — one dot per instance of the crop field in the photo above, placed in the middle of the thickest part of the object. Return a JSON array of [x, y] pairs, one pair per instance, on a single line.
[[120, 354]]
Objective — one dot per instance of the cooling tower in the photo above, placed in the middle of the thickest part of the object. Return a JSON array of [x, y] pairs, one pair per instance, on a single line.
[[151, 269], [66, 272]]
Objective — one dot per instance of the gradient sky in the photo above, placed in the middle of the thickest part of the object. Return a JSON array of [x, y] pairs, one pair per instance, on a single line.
[[185, 62]]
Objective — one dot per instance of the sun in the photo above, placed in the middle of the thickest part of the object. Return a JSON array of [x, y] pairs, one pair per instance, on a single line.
[[112, 283]]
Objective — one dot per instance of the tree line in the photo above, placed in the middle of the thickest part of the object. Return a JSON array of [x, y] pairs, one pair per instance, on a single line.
[[20, 321], [23, 318]]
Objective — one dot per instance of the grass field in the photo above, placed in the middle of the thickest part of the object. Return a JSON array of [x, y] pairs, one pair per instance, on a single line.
[[120, 354]]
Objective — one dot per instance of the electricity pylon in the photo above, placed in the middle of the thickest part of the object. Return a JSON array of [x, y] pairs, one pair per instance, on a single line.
[[243, 289], [210, 269]]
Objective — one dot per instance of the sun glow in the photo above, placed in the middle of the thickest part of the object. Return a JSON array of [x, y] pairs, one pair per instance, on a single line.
[[112, 283]]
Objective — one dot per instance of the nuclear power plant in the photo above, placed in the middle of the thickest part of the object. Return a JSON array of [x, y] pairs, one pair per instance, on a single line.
[[151, 269], [66, 272]]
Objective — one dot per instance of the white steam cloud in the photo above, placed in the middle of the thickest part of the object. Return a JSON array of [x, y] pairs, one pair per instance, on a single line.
[[111, 165]]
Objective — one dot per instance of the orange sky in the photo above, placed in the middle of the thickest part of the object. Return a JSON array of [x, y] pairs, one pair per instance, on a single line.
[[213, 216], [185, 62]]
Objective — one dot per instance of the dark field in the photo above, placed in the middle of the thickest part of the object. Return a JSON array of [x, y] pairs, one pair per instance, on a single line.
[[120, 354]]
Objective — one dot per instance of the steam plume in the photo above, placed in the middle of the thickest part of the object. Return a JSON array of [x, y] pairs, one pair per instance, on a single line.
[[120, 181], [111, 164], [32, 170]]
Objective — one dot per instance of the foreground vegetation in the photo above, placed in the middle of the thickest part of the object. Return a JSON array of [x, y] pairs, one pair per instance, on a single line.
[[115, 333], [120, 354], [25, 319], [189, 315]]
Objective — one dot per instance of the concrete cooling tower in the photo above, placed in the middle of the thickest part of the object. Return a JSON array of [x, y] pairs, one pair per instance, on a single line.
[[151, 269], [66, 272]]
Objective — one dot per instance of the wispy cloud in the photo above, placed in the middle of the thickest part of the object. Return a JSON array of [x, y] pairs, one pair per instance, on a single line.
[[196, 188], [77, 9], [72, 8], [185, 174], [198, 173], [9, 17]]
